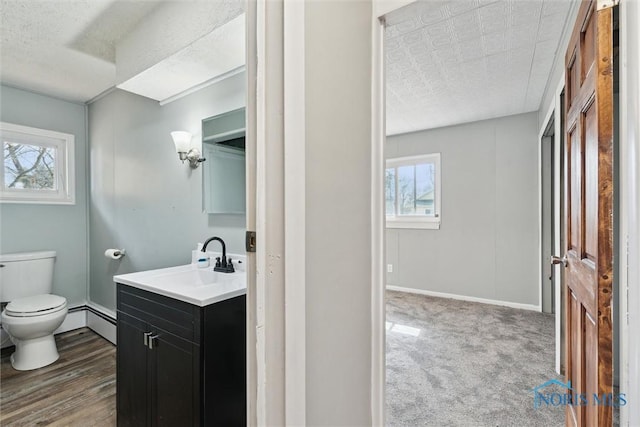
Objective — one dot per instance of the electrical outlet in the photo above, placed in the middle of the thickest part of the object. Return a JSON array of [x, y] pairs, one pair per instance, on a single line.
[[389, 268]]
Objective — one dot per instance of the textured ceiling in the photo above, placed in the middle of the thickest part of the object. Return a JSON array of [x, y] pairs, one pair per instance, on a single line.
[[64, 48], [213, 55], [450, 62], [70, 48]]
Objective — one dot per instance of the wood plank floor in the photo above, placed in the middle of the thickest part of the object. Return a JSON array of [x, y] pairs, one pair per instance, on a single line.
[[79, 389]]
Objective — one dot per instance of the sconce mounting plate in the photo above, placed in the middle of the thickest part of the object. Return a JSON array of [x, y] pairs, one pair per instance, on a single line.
[[193, 156]]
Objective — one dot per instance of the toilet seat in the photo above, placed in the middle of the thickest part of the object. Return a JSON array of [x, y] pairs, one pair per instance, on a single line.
[[37, 305]]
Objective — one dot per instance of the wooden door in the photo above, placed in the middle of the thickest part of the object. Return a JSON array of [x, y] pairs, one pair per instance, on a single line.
[[589, 210]]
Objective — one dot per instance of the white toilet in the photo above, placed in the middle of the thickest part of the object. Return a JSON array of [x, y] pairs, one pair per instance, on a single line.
[[32, 313]]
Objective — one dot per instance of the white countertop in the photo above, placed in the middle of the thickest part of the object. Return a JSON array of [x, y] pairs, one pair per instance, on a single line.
[[188, 283]]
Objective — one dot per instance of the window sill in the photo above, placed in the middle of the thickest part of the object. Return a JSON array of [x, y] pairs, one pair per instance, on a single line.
[[59, 197], [417, 225], [43, 201]]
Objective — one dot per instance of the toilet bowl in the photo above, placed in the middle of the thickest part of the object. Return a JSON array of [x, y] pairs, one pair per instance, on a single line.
[[30, 323], [32, 313]]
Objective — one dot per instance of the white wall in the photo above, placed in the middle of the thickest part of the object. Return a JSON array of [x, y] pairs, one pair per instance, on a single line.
[[142, 198], [487, 244], [338, 213], [62, 228]]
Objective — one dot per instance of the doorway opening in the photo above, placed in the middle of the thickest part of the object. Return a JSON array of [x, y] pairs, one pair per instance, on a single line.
[[479, 169], [547, 186]]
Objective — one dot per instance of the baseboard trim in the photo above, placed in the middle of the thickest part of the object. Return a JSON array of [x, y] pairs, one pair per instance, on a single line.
[[103, 312], [521, 306], [76, 319], [102, 321], [99, 319]]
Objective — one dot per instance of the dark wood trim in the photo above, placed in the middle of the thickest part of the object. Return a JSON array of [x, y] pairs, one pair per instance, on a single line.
[[604, 64]]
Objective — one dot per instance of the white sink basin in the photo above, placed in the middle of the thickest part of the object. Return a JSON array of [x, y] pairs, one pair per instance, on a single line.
[[198, 286]]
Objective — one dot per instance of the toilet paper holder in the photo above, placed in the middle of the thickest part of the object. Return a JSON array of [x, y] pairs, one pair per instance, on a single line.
[[114, 253]]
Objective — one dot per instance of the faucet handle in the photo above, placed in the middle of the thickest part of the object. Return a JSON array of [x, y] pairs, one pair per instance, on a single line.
[[224, 265]]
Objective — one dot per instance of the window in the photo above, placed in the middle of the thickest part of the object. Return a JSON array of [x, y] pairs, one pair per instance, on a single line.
[[38, 166], [412, 192]]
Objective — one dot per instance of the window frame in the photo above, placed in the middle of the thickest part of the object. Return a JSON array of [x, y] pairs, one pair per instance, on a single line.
[[416, 221], [64, 162]]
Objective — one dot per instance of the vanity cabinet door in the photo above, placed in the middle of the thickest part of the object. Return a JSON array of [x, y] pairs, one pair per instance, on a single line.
[[132, 385], [192, 369], [175, 384]]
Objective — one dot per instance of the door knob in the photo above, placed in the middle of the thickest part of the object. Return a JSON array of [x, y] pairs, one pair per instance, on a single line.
[[557, 260]]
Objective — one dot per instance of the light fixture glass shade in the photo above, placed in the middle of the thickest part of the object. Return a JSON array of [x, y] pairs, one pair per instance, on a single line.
[[182, 140]]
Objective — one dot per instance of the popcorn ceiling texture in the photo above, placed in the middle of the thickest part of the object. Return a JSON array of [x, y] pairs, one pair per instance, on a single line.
[[167, 30], [74, 49], [451, 62], [448, 62]]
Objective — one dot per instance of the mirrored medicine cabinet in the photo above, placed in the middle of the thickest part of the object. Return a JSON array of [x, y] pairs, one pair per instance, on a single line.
[[223, 142]]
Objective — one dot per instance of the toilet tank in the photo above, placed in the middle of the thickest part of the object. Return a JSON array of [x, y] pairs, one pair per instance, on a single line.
[[25, 274]]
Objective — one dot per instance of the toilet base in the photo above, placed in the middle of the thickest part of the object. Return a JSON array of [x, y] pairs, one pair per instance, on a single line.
[[34, 353]]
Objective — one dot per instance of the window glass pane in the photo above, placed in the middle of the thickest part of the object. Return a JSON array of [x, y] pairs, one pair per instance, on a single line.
[[29, 166], [390, 191], [425, 189], [406, 190]]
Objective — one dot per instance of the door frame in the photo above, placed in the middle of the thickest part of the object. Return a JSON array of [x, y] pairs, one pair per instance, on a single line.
[[378, 275], [629, 164], [276, 319], [258, 407], [546, 179], [629, 257], [554, 109]]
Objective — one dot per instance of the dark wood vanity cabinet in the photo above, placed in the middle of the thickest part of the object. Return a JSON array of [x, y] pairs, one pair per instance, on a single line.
[[179, 364]]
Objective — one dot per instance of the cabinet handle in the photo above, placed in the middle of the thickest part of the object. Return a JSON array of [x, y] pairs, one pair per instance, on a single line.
[[151, 341], [146, 338]]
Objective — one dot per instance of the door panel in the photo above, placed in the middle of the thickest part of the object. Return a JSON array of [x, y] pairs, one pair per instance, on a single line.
[[132, 372], [591, 183], [573, 82], [588, 45], [573, 180], [591, 365], [589, 188], [575, 355], [175, 397]]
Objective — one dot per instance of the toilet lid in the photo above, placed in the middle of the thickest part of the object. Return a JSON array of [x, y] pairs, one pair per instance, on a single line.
[[35, 305]]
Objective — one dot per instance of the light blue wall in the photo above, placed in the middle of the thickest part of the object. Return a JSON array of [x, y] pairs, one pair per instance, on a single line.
[[487, 244], [63, 228], [142, 198]]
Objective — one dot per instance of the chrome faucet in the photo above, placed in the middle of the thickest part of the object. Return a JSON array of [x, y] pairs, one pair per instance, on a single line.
[[222, 265]]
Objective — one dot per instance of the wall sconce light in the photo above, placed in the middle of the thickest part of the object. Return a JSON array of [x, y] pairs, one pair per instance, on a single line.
[[182, 140]]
